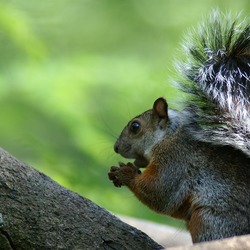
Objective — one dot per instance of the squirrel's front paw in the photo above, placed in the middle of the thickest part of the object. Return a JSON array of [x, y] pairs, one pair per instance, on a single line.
[[124, 174]]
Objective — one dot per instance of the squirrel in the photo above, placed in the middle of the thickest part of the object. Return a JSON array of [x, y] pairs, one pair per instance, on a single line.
[[197, 161]]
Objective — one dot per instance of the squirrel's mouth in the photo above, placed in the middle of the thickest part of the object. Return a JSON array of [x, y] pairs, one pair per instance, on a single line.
[[141, 162]]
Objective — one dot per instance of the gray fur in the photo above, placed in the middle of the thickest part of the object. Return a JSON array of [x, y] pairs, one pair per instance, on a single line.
[[216, 74], [197, 160]]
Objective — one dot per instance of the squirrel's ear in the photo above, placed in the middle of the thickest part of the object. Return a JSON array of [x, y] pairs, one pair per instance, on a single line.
[[160, 108]]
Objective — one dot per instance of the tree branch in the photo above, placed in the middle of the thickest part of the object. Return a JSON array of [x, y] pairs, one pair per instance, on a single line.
[[38, 213]]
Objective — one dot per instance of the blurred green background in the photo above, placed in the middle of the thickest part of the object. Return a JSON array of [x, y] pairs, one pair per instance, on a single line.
[[73, 72]]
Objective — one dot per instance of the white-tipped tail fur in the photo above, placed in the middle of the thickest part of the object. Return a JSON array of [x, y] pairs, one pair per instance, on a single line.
[[217, 75]]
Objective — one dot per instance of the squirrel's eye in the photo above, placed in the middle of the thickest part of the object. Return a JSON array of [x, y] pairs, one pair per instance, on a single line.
[[134, 127]]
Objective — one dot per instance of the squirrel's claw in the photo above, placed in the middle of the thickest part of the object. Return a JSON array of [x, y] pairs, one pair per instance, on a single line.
[[113, 176]]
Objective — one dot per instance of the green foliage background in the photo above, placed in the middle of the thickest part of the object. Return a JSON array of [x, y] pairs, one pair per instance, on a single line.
[[73, 72]]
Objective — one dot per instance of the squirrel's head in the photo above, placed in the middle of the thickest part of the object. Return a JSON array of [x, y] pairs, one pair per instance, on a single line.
[[143, 132]]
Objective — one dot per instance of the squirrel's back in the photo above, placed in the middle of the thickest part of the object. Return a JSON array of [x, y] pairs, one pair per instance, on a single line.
[[217, 75]]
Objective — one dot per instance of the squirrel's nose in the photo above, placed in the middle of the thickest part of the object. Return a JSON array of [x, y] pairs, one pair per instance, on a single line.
[[116, 148]]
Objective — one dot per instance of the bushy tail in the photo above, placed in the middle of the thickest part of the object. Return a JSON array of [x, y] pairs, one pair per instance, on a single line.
[[217, 75]]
